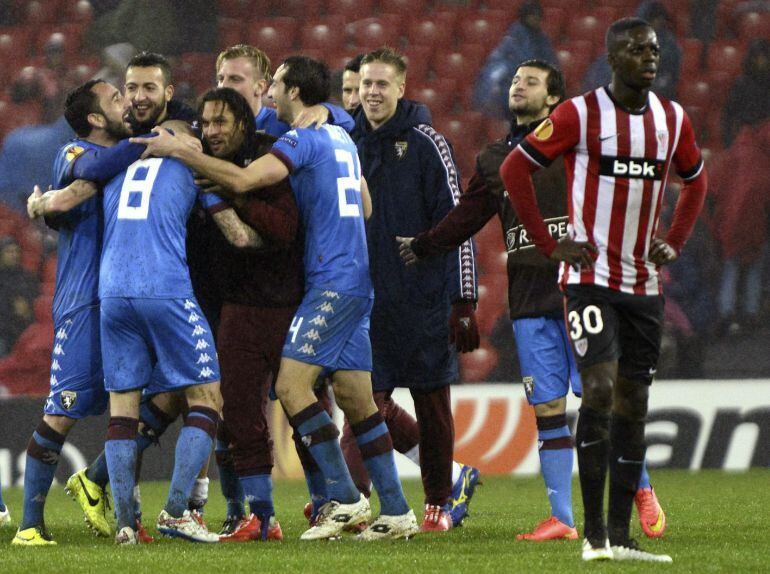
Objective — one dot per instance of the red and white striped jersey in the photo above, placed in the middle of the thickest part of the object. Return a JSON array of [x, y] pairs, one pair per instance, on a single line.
[[617, 164]]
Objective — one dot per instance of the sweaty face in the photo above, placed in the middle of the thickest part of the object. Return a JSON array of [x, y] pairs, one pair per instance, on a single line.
[[240, 75], [350, 83], [148, 93], [528, 95], [223, 135], [635, 57], [381, 88], [113, 107]]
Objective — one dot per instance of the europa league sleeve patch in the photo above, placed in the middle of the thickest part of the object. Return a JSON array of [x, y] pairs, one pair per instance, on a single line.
[[74, 152], [544, 130]]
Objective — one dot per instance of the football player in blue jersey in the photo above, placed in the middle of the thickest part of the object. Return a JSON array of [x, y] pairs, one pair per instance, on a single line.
[[330, 331], [95, 112]]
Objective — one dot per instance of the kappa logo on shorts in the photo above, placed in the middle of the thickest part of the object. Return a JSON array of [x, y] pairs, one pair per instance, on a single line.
[[581, 346], [205, 372], [68, 399], [61, 334], [307, 349], [198, 331], [201, 344], [58, 350], [318, 321], [55, 366], [326, 307], [331, 294], [313, 335], [193, 318], [529, 385], [203, 359], [189, 305], [54, 381]]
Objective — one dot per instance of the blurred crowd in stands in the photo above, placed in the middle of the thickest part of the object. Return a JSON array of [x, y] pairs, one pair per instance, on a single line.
[[462, 54]]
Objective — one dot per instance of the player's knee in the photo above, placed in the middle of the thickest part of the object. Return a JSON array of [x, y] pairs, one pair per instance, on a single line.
[[631, 399]]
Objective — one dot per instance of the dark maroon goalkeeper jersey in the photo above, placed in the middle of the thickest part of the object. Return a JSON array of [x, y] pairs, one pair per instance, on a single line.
[[533, 289]]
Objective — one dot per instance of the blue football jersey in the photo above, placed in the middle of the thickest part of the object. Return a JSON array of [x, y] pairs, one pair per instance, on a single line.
[[80, 240], [326, 179], [267, 122], [145, 216]]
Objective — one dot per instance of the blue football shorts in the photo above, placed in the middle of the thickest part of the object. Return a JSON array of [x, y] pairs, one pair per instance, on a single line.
[[331, 329], [140, 334], [77, 381], [548, 367]]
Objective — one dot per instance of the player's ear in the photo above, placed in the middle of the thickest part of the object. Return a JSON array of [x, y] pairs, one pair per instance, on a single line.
[[294, 93], [260, 87], [169, 92], [96, 120]]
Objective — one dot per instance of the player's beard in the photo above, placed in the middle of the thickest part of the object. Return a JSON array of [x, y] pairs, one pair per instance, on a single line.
[[145, 126], [118, 130]]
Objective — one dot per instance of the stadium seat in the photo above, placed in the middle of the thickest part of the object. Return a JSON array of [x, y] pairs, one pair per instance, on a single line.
[[438, 95], [586, 28], [754, 25], [304, 12], [42, 11], [326, 35], [418, 59], [692, 54], [350, 9], [237, 9], [371, 33], [485, 28], [510, 6], [16, 43], [574, 59], [406, 8], [553, 23], [78, 11], [71, 34], [231, 32], [726, 56], [720, 83], [197, 68], [462, 65], [696, 94], [464, 131], [272, 35], [495, 129], [432, 32]]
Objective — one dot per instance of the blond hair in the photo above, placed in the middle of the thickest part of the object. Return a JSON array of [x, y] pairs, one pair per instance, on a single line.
[[386, 55], [257, 57]]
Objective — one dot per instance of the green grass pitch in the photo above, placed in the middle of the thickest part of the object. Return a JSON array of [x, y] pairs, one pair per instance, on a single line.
[[718, 522]]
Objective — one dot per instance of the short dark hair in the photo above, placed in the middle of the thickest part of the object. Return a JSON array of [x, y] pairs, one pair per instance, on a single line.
[[386, 55], [354, 64], [79, 103], [152, 60], [554, 82], [239, 107], [619, 28], [311, 76]]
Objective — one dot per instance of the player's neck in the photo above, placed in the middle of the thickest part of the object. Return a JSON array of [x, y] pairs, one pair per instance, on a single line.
[[631, 99], [102, 138], [527, 119]]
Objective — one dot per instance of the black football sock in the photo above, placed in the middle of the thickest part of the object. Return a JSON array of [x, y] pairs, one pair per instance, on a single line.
[[592, 442], [627, 452]]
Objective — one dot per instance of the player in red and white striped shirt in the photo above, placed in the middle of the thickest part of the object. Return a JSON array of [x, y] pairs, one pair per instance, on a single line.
[[619, 143]]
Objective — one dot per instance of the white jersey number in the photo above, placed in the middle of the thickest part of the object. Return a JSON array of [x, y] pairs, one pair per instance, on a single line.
[[141, 187], [592, 322], [351, 181]]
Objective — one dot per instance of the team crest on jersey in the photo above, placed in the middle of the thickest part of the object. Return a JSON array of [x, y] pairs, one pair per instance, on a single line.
[[662, 136], [401, 149], [74, 152], [581, 346], [529, 385], [544, 130], [68, 399]]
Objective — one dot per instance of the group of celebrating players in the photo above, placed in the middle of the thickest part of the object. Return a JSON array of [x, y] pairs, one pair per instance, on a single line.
[[285, 249]]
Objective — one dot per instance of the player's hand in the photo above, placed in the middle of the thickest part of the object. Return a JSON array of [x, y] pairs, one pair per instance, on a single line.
[[162, 145], [575, 253], [36, 203], [316, 114], [661, 252], [463, 329], [405, 250], [191, 142]]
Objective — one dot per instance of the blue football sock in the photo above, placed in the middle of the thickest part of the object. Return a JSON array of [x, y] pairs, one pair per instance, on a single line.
[[121, 464], [193, 448], [259, 494], [97, 471], [231, 487], [316, 486], [556, 460], [320, 436], [376, 448], [644, 479], [42, 458]]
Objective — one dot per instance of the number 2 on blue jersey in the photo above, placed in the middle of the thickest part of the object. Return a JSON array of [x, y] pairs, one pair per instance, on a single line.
[[135, 193], [351, 181]]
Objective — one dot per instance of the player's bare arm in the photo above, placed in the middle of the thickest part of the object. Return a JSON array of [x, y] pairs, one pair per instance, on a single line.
[[265, 171], [316, 114], [236, 231], [58, 201], [661, 252]]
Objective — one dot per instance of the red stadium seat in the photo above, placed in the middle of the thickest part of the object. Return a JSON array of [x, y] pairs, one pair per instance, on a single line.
[[754, 25], [197, 68], [16, 43], [42, 11], [496, 129], [418, 60], [720, 83], [231, 32], [475, 367], [438, 95], [350, 9], [407, 8], [586, 28], [553, 23], [692, 55], [78, 11], [462, 65], [237, 9], [485, 28], [725, 56], [574, 59], [371, 33], [510, 6], [465, 131], [697, 94], [273, 35], [304, 12], [71, 34], [327, 35], [429, 31]]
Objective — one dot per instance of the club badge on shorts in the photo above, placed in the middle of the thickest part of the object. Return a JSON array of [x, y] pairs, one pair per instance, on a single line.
[[529, 385], [68, 399], [581, 346]]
